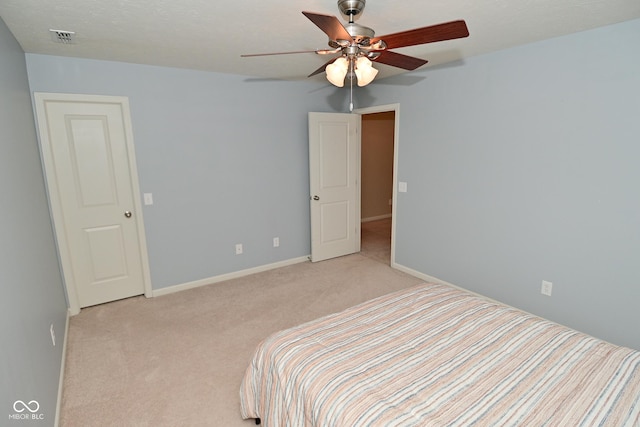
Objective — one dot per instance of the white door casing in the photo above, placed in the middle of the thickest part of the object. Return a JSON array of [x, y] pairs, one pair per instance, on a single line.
[[334, 168], [88, 155]]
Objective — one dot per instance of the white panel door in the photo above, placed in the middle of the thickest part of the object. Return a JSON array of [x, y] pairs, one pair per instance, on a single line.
[[87, 150], [334, 165]]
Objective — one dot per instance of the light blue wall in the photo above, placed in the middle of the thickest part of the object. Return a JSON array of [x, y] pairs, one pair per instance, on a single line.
[[225, 157], [30, 279], [522, 166]]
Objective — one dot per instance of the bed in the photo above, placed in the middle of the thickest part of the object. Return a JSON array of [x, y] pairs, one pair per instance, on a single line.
[[434, 355]]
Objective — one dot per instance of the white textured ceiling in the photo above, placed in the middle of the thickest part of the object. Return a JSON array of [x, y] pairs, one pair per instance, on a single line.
[[211, 34]]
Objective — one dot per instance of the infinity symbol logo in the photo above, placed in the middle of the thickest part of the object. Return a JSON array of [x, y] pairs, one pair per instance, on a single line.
[[18, 403]]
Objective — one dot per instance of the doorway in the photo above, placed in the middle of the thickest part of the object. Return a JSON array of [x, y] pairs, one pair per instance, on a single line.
[[379, 140], [336, 144]]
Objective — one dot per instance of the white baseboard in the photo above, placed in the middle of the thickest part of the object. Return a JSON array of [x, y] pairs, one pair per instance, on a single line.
[[228, 276], [62, 365], [375, 218], [419, 275], [432, 279]]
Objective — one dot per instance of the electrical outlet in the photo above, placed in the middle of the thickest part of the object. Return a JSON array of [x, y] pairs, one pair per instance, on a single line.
[[276, 242], [546, 288], [53, 335], [239, 249]]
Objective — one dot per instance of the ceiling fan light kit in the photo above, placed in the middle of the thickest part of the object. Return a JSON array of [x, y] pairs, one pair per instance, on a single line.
[[361, 68]]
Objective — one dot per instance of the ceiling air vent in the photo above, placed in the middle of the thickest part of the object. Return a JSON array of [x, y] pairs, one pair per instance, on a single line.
[[61, 36]]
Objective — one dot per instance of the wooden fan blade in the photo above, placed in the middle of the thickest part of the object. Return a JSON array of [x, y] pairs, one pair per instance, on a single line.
[[434, 33], [278, 53], [399, 60], [321, 69], [330, 25]]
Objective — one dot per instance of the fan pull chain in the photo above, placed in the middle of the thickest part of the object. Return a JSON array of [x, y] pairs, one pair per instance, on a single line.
[[351, 85]]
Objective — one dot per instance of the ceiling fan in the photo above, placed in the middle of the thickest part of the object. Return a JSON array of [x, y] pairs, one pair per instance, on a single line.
[[357, 45]]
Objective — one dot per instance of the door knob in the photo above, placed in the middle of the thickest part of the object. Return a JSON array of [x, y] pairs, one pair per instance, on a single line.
[[316, 198], [127, 214]]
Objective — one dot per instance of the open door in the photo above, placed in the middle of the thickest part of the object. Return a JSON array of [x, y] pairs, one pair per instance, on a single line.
[[334, 166]]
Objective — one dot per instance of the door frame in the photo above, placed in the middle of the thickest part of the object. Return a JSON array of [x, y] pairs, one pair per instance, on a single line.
[[55, 204], [396, 142]]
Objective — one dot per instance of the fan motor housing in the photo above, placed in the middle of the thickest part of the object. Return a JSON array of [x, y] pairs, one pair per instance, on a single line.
[[361, 35]]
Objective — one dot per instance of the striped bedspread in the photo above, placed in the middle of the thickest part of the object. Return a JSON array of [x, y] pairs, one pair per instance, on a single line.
[[433, 355]]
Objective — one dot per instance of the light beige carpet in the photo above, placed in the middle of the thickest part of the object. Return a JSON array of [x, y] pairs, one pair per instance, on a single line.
[[178, 360]]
